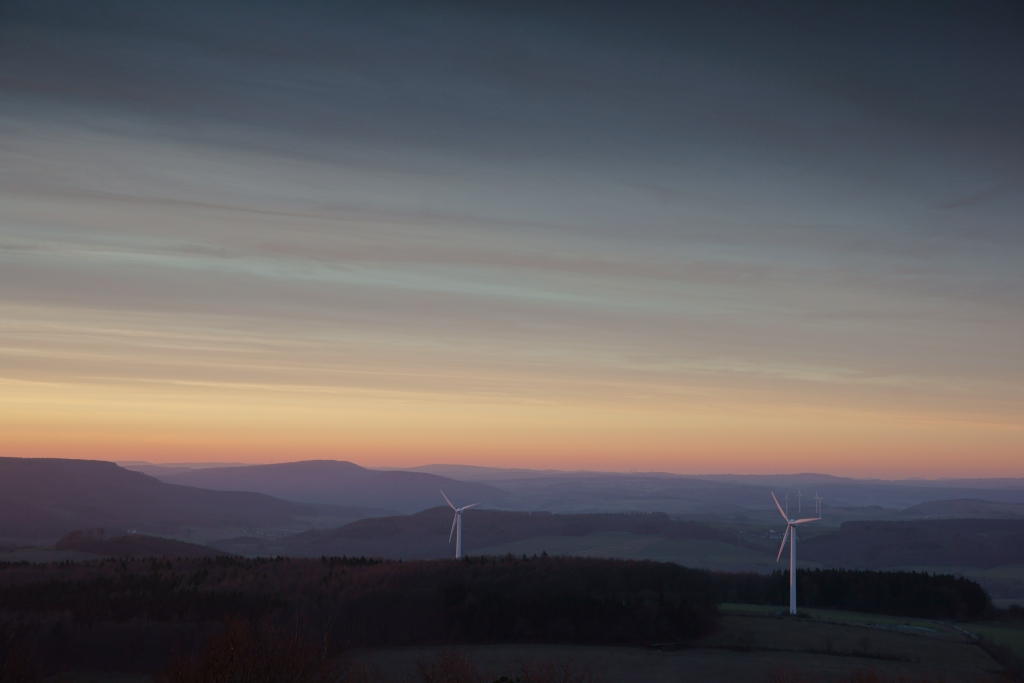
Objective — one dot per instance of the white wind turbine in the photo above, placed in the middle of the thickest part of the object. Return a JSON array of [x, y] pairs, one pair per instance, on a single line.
[[457, 524], [791, 534], [817, 504]]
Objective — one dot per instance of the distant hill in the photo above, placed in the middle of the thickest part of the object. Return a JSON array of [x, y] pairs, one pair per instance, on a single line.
[[491, 474], [176, 468], [572, 492], [425, 535], [132, 545], [724, 497], [46, 498], [966, 507], [342, 483], [949, 542]]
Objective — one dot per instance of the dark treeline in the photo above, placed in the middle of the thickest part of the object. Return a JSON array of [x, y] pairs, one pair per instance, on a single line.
[[132, 615], [900, 593]]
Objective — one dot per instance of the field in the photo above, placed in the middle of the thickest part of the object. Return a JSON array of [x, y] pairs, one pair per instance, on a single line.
[[839, 617], [749, 645], [1012, 636]]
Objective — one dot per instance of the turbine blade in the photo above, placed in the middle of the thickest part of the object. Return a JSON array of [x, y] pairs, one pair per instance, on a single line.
[[456, 519], [447, 501], [466, 507], [783, 545], [808, 519], [780, 508]]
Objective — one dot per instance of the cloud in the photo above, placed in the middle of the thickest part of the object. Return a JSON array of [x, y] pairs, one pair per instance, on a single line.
[[681, 210]]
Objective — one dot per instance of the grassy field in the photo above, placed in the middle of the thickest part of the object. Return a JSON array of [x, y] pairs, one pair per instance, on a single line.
[[1011, 636], [750, 644], [747, 647], [620, 545], [838, 617]]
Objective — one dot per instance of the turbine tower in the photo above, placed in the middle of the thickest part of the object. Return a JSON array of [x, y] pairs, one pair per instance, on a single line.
[[457, 525], [791, 535], [817, 504], [787, 504], [799, 501]]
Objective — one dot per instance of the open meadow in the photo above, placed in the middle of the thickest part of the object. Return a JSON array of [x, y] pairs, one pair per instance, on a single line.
[[749, 646]]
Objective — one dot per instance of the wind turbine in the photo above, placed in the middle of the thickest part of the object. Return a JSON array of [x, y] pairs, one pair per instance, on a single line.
[[799, 501], [791, 534], [457, 524], [817, 504], [787, 504]]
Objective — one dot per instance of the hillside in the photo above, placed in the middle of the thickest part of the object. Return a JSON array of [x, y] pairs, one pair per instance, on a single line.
[[966, 507], [342, 483], [951, 542], [742, 499], [46, 498], [573, 492], [425, 535], [132, 546]]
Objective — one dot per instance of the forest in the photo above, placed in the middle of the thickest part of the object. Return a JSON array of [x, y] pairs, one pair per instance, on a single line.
[[132, 615], [135, 615], [897, 593]]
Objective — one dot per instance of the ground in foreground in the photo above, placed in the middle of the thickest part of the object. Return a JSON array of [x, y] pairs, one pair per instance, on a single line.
[[749, 646]]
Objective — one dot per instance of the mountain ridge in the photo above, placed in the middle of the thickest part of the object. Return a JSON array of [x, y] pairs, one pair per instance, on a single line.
[[46, 498], [340, 481]]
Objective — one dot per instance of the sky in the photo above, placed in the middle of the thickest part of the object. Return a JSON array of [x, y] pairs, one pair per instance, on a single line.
[[734, 237]]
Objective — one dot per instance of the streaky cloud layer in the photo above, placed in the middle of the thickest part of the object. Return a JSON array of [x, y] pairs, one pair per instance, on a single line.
[[731, 240]]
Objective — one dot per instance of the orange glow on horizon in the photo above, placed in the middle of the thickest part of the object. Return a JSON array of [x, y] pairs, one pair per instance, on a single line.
[[407, 430]]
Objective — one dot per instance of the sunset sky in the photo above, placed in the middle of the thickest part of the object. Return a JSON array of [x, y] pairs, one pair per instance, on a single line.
[[739, 239]]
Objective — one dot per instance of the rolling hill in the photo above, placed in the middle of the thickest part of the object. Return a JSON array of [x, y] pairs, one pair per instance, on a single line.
[[705, 498], [46, 498], [132, 546], [425, 535], [719, 497], [965, 508], [342, 483], [947, 542]]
